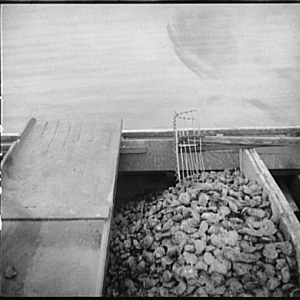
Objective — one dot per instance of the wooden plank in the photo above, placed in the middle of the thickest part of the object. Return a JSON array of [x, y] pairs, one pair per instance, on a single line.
[[160, 156], [160, 133], [240, 131], [280, 157], [252, 171], [9, 137], [53, 258], [250, 141], [253, 167], [133, 150], [65, 170], [284, 188]]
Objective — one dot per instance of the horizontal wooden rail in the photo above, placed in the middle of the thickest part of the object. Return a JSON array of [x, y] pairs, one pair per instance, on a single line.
[[241, 131], [251, 141]]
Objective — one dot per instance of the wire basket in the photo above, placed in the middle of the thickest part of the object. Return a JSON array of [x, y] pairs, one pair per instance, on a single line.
[[188, 146]]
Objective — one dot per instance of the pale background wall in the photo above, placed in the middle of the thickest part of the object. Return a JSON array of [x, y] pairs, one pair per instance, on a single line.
[[238, 65]]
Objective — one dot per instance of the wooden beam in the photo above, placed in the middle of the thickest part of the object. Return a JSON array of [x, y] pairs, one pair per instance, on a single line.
[[240, 131], [160, 156], [250, 141], [253, 167]]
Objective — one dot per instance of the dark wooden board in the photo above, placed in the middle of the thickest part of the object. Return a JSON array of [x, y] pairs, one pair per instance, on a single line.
[[53, 258], [160, 156], [62, 170]]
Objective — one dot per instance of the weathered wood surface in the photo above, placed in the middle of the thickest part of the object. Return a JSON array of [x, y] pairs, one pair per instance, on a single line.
[[53, 258], [160, 156], [254, 168], [153, 150], [159, 133], [56, 207], [251, 142], [238, 131], [63, 170]]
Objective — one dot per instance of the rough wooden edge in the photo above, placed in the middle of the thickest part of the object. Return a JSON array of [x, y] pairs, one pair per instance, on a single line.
[[8, 153], [17, 144], [104, 248], [254, 168], [239, 131]]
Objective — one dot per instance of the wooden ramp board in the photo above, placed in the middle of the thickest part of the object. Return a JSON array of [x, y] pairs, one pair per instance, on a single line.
[[53, 258], [58, 182], [62, 170]]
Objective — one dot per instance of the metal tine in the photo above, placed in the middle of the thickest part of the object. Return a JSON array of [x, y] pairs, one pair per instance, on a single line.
[[176, 154], [191, 145], [187, 139], [185, 144], [190, 153], [195, 156], [187, 168], [181, 150]]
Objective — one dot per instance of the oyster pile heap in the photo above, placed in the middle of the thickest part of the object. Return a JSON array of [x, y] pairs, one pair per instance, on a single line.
[[215, 237]]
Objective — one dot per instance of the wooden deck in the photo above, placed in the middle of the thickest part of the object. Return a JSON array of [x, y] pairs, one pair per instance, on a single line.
[[56, 208]]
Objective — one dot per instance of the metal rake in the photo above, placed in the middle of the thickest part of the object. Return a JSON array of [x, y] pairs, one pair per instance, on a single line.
[[188, 146]]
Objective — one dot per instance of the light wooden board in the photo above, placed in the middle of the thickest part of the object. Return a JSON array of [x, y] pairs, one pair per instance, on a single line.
[[62, 170], [53, 258], [254, 168], [238, 131]]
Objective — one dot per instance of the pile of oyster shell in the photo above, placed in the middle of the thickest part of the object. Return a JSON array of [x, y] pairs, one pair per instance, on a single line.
[[213, 237]]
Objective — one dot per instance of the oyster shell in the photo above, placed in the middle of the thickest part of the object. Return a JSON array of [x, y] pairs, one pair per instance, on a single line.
[[167, 276], [199, 246], [159, 252], [181, 288], [270, 252], [203, 199], [184, 198], [212, 238]]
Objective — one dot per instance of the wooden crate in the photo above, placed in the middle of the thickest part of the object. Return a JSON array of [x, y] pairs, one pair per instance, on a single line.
[[254, 168]]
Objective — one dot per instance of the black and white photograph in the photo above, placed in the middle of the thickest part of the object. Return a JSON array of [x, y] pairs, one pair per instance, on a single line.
[[150, 149]]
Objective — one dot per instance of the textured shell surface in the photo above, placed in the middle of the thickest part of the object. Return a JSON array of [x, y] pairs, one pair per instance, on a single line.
[[217, 237]]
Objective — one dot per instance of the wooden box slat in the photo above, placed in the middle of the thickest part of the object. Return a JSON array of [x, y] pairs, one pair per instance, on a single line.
[[254, 168]]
